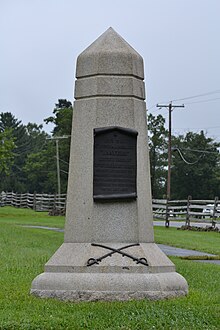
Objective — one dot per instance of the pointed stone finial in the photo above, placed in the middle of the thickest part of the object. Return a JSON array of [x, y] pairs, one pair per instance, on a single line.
[[110, 54], [109, 67]]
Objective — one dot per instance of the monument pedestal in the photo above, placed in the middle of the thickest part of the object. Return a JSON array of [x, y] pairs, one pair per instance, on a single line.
[[109, 251], [76, 273]]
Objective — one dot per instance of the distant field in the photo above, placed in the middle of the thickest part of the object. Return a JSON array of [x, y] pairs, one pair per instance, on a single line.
[[24, 252]]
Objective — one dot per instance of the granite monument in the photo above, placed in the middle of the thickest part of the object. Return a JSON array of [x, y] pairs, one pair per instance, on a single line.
[[109, 251]]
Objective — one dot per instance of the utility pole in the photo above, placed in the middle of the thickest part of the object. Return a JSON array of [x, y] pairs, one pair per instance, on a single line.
[[57, 138], [170, 107], [58, 167]]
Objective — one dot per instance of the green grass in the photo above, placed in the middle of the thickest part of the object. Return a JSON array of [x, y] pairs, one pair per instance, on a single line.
[[12, 215], [24, 252], [194, 240]]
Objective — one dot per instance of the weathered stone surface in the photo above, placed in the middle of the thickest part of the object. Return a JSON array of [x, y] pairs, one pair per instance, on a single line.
[[109, 54], [109, 93], [107, 85], [110, 286], [78, 296], [73, 257], [89, 221]]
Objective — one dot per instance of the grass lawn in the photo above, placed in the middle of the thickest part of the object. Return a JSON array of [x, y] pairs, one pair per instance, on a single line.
[[193, 240], [11, 215], [24, 252]]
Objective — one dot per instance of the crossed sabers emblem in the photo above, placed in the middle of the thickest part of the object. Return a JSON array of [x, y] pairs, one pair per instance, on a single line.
[[93, 261]]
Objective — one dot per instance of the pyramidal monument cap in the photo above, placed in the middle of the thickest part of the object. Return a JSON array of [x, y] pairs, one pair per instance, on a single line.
[[109, 251], [110, 54]]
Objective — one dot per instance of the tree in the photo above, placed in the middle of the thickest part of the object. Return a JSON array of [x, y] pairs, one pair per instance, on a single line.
[[34, 164], [158, 154], [62, 120], [38, 168], [28, 139], [195, 167], [41, 171], [6, 151], [36, 135], [16, 179]]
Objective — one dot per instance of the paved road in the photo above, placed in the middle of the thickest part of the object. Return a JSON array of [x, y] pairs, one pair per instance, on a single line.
[[174, 251], [178, 224], [168, 250], [178, 252], [47, 228]]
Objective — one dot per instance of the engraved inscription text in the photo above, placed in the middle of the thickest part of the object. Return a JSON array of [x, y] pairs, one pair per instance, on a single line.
[[115, 163]]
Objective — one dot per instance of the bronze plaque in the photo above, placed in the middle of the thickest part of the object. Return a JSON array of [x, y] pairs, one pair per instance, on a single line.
[[115, 163]]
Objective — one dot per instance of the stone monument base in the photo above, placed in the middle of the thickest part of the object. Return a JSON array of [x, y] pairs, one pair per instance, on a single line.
[[109, 272], [109, 287]]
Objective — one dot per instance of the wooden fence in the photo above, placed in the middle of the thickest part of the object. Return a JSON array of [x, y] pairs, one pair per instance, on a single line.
[[206, 211], [37, 202]]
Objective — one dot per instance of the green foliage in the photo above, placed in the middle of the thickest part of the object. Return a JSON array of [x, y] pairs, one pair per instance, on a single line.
[[40, 171], [158, 154], [195, 167], [24, 251], [195, 173], [6, 151], [34, 165], [62, 118], [14, 178], [26, 139]]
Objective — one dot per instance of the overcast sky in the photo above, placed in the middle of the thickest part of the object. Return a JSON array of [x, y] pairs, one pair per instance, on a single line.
[[178, 39]]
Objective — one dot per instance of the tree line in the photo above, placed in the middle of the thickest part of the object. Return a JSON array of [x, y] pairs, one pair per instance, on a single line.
[[28, 157]]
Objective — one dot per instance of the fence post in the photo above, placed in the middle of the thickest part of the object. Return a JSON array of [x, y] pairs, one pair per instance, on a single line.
[[15, 200], [188, 211], [20, 200], [214, 212], [167, 221], [34, 201], [54, 203]]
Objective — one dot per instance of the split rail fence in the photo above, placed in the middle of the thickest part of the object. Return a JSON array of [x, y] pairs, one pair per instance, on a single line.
[[37, 202], [207, 211]]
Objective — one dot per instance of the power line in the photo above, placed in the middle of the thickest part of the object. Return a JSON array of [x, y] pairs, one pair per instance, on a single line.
[[151, 107], [204, 101], [29, 142], [187, 162], [188, 128], [29, 148], [197, 150], [63, 161], [64, 171], [196, 102], [192, 97], [198, 95]]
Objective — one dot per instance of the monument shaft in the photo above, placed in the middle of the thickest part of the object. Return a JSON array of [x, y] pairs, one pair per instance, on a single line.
[[109, 251]]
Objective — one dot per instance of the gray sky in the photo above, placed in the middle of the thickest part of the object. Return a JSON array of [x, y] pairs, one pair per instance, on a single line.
[[178, 39]]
